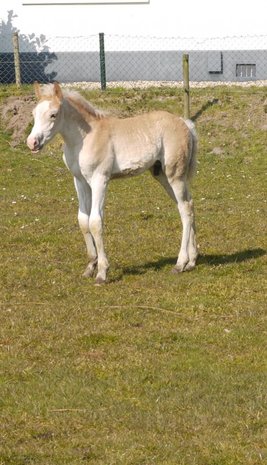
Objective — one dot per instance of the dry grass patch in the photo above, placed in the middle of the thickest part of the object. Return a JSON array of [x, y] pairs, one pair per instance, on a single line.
[[152, 368]]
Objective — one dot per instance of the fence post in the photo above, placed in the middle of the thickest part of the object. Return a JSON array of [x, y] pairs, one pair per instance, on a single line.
[[186, 86], [16, 58], [102, 61]]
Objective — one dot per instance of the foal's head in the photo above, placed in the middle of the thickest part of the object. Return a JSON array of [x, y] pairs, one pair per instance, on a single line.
[[47, 116]]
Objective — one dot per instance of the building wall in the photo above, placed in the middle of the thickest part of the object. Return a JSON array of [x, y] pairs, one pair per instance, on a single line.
[[143, 41], [67, 67]]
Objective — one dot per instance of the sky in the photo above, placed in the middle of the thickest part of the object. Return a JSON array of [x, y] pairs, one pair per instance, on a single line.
[[205, 18]]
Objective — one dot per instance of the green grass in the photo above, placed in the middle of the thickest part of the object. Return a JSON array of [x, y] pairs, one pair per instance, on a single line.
[[152, 368]]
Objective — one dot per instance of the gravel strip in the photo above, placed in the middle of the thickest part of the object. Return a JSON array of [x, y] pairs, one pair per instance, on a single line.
[[147, 84]]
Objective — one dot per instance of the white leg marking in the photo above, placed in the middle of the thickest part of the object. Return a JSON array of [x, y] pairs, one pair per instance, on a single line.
[[98, 185], [192, 249], [181, 196], [84, 197], [187, 217]]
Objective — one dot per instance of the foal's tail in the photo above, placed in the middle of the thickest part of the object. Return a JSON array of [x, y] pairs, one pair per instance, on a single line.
[[192, 163]]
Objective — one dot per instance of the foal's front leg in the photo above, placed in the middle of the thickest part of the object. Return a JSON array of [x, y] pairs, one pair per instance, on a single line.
[[98, 185], [85, 200]]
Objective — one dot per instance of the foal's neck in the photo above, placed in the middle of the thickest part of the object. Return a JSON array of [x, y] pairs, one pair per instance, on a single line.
[[75, 126]]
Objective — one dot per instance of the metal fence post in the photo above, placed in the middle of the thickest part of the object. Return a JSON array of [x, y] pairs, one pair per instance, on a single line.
[[16, 58], [102, 61], [186, 85]]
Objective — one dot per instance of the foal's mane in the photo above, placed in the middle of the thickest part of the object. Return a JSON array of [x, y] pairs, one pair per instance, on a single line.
[[76, 100]]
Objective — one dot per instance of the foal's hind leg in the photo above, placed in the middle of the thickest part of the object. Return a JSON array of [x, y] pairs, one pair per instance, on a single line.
[[178, 192], [192, 248], [84, 197], [188, 252]]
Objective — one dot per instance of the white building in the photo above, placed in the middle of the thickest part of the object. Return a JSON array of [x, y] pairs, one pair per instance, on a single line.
[[59, 39]]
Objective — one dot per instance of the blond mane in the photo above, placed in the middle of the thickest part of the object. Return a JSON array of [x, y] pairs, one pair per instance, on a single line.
[[75, 99]]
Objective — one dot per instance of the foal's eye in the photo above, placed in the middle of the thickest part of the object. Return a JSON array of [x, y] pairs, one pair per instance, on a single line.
[[53, 115]]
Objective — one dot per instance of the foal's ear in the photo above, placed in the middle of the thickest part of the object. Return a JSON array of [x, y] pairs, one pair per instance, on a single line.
[[37, 90], [58, 91]]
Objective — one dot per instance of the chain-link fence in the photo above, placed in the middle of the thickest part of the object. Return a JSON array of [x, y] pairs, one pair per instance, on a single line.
[[102, 61]]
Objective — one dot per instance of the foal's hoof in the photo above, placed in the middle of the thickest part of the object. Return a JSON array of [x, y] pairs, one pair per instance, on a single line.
[[88, 273], [178, 269], [190, 266], [90, 269], [181, 268], [99, 281]]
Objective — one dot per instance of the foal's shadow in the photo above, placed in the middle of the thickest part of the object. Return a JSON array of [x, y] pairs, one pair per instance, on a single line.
[[237, 257], [214, 260]]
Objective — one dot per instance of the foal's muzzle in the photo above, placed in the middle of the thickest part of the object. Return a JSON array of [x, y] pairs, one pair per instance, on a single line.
[[34, 144]]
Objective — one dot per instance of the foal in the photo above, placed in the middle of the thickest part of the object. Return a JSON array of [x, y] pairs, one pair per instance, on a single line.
[[99, 148]]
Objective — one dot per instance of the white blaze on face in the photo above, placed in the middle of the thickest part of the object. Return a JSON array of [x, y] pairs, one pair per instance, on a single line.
[[45, 124]]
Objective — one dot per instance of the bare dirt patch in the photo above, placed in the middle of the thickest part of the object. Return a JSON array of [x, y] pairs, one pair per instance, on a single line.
[[16, 116], [16, 111]]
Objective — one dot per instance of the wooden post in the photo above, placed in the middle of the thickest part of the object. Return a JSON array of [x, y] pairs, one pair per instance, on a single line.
[[186, 86], [102, 61], [16, 58]]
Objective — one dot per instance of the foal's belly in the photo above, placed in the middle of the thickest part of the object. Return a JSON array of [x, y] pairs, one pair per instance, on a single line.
[[131, 163], [127, 172], [132, 167]]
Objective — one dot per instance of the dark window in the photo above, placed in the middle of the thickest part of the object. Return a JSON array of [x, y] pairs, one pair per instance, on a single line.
[[246, 70]]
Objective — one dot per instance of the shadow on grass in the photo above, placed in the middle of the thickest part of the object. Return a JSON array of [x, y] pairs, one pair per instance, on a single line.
[[237, 257], [204, 107], [209, 259]]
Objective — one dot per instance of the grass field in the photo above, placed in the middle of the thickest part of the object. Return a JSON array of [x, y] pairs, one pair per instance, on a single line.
[[152, 368]]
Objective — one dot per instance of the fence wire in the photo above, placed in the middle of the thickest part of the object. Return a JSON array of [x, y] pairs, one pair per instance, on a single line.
[[130, 62]]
